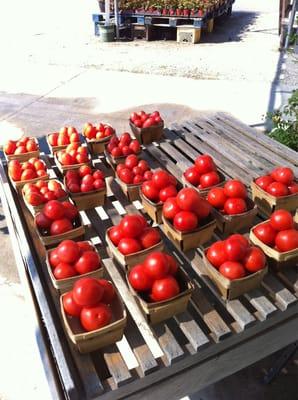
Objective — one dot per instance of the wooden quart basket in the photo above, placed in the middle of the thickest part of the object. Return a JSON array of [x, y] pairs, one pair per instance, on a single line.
[[94, 340], [227, 224], [204, 192], [131, 191], [128, 261], [190, 240], [147, 135], [87, 200], [277, 260], [25, 156], [64, 285], [64, 168], [268, 203], [154, 210], [230, 289], [162, 310], [96, 146]]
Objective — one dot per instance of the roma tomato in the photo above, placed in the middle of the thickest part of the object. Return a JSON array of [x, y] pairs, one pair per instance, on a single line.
[[192, 175], [87, 292], [64, 270], [160, 179], [109, 291], [126, 175], [150, 191], [283, 174], [209, 179], [264, 181], [54, 210], [139, 279], [164, 289], [216, 254], [205, 164], [217, 198], [149, 237], [234, 188], [93, 318], [54, 258], [68, 251], [35, 199], [143, 165], [232, 270], [156, 265], [254, 260], [185, 221], [234, 249], [277, 189], [131, 161], [60, 226], [128, 246], [281, 220], [85, 170], [132, 225], [235, 205], [42, 221], [70, 306], [287, 240], [116, 234], [168, 191], [89, 261], [170, 208], [266, 233]]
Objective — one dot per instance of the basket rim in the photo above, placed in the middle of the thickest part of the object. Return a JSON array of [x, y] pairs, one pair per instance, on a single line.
[[270, 196], [199, 228], [207, 189]]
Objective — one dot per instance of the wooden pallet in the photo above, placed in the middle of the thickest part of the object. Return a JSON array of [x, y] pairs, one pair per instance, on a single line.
[[171, 359]]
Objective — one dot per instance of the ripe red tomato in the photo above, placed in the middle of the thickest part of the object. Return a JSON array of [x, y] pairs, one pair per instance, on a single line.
[[185, 221], [143, 165], [68, 251], [86, 187], [156, 265], [28, 174], [54, 258], [10, 147], [70, 306], [131, 161], [254, 260], [170, 208], [235, 249], [87, 292], [293, 188], [35, 199], [150, 191], [192, 175], [70, 210], [85, 246], [132, 225], [60, 193], [20, 150], [126, 175], [54, 210], [209, 179], [217, 198], [172, 264], [93, 318], [135, 146], [128, 246], [148, 175], [205, 164], [60, 226], [188, 199], [241, 239], [264, 181], [42, 221], [48, 196], [277, 189], [64, 271], [109, 291], [139, 279], [31, 145], [216, 254], [287, 240], [232, 270], [160, 179], [235, 206], [88, 261], [149, 237], [283, 174], [168, 191], [164, 289], [234, 188], [281, 220], [98, 175], [85, 170], [265, 233], [116, 234]]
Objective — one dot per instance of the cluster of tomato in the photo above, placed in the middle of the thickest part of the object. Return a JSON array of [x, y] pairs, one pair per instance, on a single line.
[[204, 173], [98, 132], [160, 187], [133, 234], [34, 168], [73, 258], [84, 180], [133, 170], [42, 191], [123, 146], [90, 301], [142, 119], [186, 210], [66, 135], [73, 154], [278, 232], [155, 277], [21, 146], [235, 258], [280, 182], [57, 217], [231, 199]]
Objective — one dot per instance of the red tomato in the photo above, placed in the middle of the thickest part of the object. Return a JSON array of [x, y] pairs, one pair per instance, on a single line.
[[232, 270], [192, 175], [264, 181], [217, 198], [39, 165], [149, 237], [60, 193], [156, 265], [135, 146], [240, 238], [41, 172], [99, 184], [281, 220], [133, 116], [85, 170], [74, 138], [170, 208], [150, 191], [88, 261], [126, 175], [235, 249], [148, 175], [254, 260], [20, 150], [149, 122], [87, 292], [209, 179], [160, 179], [138, 122], [54, 258], [70, 306], [28, 174], [86, 187], [48, 196], [85, 246], [70, 210], [34, 199], [74, 187], [205, 164], [172, 264], [216, 254], [164, 289], [265, 233], [53, 138], [31, 145], [116, 234], [116, 152], [235, 206], [129, 246], [42, 221], [132, 225], [126, 151], [185, 221], [67, 159], [54, 210], [52, 185], [234, 188], [93, 318], [82, 158], [283, 174], [109, 291], [10, 147], [125, 138], [293, 188], [277, 189], [90, 132], [68, 251], [287, 240], [131, 161], [168, 191], [143, 165], [139, 279], [138, 179], [188, 199], [64, 271], [62, 140], [60, 226], [98, 175]]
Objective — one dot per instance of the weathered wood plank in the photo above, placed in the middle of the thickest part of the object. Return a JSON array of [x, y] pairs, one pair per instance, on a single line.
[[127, 353], [241, 315], [171, 348], [260, 302], [290, 279], [116, 366], [191, 330], [283, 297]]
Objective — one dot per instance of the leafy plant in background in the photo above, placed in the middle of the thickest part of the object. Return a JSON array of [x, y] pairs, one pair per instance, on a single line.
[[285, 123]]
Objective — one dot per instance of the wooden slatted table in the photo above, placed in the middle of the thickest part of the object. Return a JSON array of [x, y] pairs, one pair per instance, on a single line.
[[213, 338]]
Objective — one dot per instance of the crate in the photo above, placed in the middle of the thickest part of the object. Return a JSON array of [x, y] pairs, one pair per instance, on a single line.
[[131, 191], [159, 311], [231, 289], [87, 200], [154, 210], [87, 342], [276, 260], [268, 203], [193, 239], [188, 34], [128, 261], [64, 168], [204, 192], [148, 135], [25, 156]]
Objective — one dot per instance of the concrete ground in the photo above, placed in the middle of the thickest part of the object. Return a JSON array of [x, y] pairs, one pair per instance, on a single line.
[[54, 72]]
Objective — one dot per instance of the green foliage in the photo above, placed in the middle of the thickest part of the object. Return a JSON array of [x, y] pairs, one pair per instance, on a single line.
[[285, 123]]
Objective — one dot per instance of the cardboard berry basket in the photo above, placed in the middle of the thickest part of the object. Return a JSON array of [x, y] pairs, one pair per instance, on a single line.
[[227, 224], [154, 210], [64, 285], [97, 146], [54, 149], [147, 135], [64, 168], [128, 261], [87, 200], [114, 161], [131, 191], [276, 259], [231, 289], [268, 203], [86, 342], [192, 239], [158, 311], [204, 192], [25, 156], [36, 209]]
